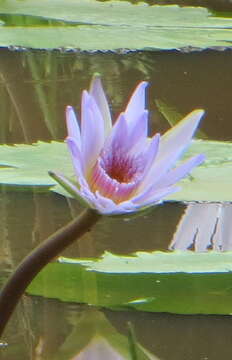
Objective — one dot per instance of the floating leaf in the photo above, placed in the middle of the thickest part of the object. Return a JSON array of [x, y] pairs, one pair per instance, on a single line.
[[114, 24], [27, 166], [177, 282], [24, 166]]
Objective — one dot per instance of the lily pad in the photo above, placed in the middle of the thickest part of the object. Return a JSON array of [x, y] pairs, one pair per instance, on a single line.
[[177, 282], [114, 24], [25, 167]]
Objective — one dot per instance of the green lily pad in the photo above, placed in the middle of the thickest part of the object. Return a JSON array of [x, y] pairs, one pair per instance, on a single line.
[[26, 166], [23, 167], [177, 282], [114, 24]]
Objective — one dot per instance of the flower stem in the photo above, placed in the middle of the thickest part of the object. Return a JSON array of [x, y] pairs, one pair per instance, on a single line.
[[38, 258]]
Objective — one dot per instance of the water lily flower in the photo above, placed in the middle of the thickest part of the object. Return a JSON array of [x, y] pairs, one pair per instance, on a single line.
[[118, 168]]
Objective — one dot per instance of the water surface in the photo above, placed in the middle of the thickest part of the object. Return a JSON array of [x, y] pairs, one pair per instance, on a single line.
[[35, 87]]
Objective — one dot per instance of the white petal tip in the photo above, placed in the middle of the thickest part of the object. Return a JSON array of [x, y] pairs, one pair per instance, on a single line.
[[96, 76], [69, 112], [198, 113], [143, 84]]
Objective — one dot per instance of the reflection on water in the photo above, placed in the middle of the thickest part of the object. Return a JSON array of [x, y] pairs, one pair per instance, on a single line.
[[35, 94], [45, 213], [41, 326], [52, 333], [204, 227], [35, 88]]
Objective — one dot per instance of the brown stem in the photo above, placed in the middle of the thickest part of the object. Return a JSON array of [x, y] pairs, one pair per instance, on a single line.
[[38, 258]]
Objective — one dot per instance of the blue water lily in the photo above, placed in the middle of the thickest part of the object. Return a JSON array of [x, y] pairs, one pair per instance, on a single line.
[[118, 168]]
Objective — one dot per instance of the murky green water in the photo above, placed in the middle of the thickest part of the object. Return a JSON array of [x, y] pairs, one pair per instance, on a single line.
[[35, 88]]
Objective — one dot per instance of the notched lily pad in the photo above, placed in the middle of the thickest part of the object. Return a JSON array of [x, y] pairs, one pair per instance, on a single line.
[[177, 282], [26, 167], [115, 25]]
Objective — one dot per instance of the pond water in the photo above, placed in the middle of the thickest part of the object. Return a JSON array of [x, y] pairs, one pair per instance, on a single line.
[[35, 87]]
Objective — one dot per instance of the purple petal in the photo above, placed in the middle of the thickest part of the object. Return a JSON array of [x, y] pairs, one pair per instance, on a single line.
[[76, 155], [92, 132], [105, 205], [180, 172], [119, 135], [138, 132], [136, 105], [151, 153], [172, 145], [171, 177], [98, 94], [72, 125], [109, 207], [149, 197], [178, 137], [159, 195]]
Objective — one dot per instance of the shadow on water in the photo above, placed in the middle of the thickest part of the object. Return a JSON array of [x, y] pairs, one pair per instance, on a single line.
[[35, 87]]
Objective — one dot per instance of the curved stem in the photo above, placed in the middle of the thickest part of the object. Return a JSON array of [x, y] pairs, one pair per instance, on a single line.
[[38, 258]]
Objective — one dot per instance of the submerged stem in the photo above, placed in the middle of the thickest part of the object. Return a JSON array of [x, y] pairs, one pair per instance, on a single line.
[[38, 258]]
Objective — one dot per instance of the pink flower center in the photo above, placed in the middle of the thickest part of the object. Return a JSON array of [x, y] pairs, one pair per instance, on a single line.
[[119, 167], [116, 175]]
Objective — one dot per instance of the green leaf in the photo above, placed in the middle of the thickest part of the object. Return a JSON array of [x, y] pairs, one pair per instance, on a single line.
[[28, 165], [212, 181], [23, 167], [177, 282], [93, 25]]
